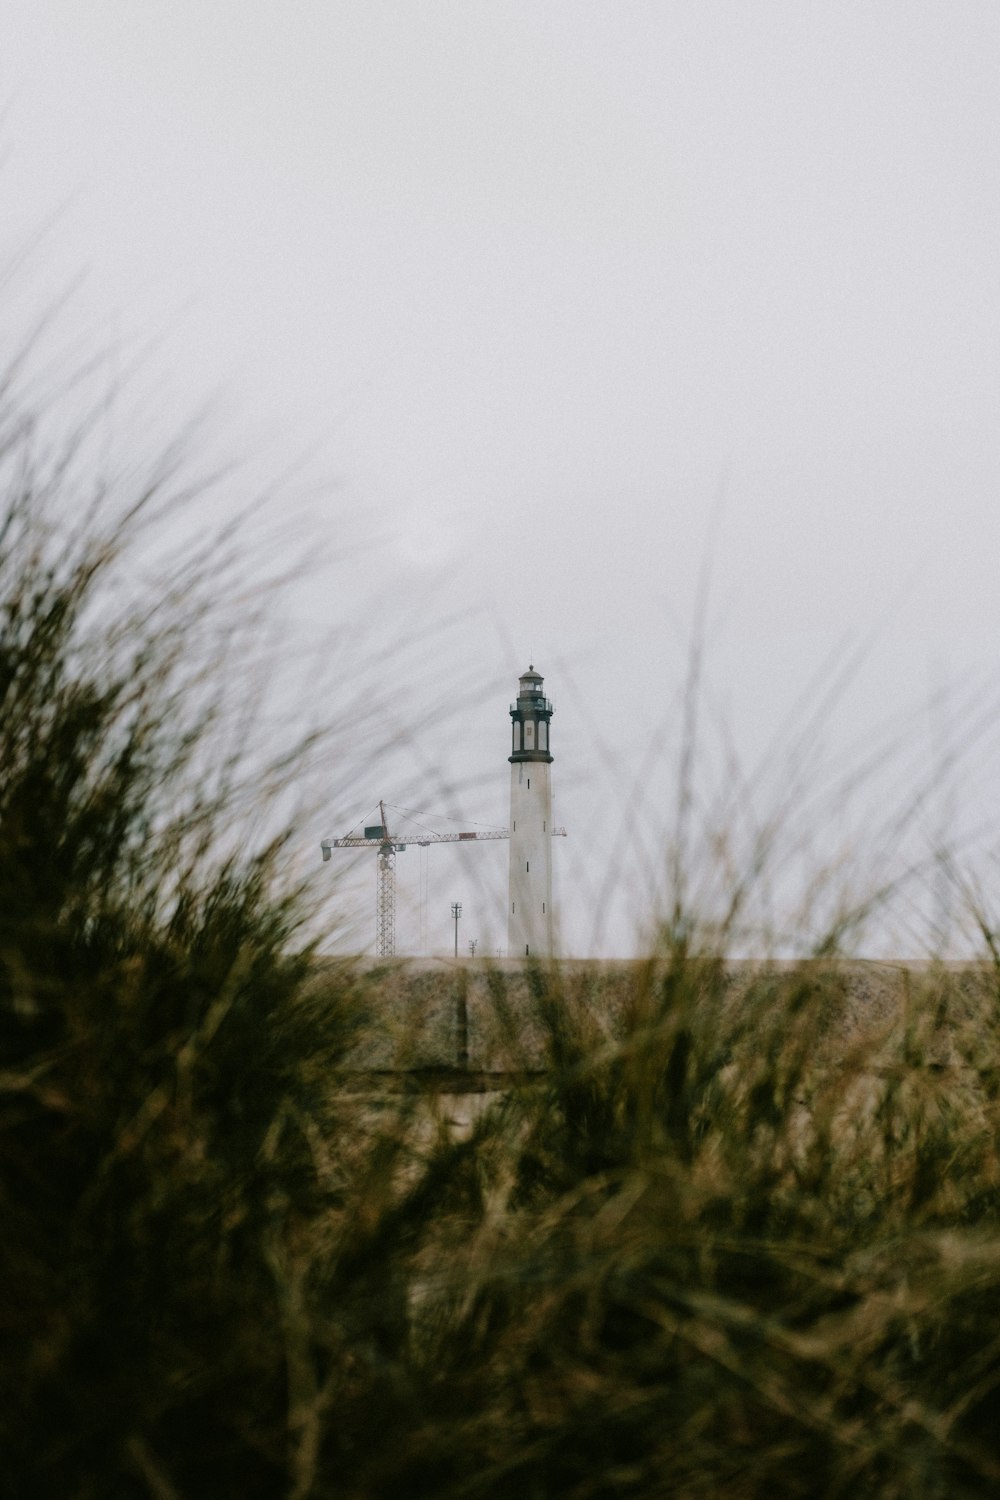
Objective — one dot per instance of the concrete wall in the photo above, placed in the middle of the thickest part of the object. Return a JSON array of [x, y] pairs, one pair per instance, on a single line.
[[467, 1026]]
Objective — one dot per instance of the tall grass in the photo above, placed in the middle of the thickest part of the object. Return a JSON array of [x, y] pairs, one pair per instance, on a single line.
[[716, 1262], [154, 1123], [721, 1243]]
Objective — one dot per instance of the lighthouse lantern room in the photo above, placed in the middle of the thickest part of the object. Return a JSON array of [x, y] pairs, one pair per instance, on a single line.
[[529, 914]]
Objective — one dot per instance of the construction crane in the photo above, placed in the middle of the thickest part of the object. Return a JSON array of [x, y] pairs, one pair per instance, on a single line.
[[377, 836]]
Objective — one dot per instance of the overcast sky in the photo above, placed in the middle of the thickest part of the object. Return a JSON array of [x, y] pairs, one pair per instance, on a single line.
[[560, 298]]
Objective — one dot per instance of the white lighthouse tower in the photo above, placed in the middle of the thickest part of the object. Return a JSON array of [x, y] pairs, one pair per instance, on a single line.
[[529, 909]]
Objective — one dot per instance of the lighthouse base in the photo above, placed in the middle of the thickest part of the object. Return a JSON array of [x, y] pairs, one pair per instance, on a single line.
[[529, 909]]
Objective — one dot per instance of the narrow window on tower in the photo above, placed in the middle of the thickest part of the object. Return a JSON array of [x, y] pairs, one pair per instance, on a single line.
[[525, 950], [515, 825], [529, 783], [512, 908], [527, 866], [543, 908]]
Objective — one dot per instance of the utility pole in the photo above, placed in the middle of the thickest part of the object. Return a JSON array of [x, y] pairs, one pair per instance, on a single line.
[[456, 911]]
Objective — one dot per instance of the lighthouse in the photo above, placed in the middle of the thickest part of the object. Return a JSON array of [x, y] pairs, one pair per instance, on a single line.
[[529, 902]]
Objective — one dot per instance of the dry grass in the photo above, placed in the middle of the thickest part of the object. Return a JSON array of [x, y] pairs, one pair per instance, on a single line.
[[714, 1242]]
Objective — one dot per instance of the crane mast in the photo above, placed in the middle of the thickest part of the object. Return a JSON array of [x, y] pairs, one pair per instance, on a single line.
[[385, 893]]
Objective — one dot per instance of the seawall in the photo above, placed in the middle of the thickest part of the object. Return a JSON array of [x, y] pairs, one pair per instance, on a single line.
[[470, 1027]]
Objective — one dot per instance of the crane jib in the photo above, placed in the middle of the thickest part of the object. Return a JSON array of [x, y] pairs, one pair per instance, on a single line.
[[377, 840]]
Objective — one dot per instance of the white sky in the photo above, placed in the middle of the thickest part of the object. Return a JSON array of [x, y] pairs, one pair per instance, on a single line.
[[535, 284]]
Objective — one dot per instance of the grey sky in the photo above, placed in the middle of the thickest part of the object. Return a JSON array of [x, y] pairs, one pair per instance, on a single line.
[[540, 283]]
